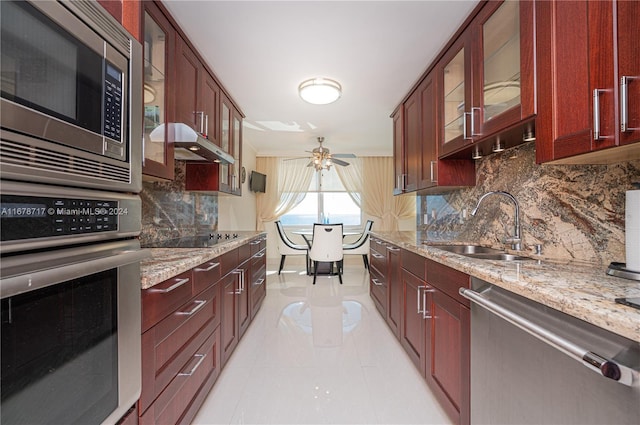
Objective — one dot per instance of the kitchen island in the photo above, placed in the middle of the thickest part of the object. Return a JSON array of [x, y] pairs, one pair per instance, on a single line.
[[576, 288]]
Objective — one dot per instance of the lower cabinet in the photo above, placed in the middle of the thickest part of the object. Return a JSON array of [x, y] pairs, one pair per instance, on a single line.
[[191, 324], [434, 326], [385, 282]]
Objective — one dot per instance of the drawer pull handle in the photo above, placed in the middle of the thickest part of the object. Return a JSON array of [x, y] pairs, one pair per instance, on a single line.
[[376, 282], [392, 248], [176, 285], [255, 242], [259, 282], [208, 269], [379, 256], [259, 255], [199, 305], [195, 367]]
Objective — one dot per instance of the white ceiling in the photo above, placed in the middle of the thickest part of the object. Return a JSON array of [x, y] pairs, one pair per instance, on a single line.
[[262, 50]]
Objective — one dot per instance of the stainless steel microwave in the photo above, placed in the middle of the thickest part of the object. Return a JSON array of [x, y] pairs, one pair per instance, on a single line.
[[71, 111]]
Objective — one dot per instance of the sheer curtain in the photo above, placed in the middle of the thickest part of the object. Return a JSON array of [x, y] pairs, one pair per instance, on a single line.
[[285, 189], [373, 178]]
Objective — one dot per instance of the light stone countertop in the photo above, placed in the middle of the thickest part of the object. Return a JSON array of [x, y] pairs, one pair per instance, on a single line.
[[165, 263], [579, 289]]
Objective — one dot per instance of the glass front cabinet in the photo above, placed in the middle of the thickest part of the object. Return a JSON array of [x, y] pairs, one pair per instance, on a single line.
[[487, 78], [158, 160]]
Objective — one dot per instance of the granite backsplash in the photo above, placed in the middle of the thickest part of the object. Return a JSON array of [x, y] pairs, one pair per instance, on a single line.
[[168, 211], [576, 212]]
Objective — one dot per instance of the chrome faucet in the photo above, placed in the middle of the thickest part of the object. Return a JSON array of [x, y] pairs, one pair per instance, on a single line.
[[516, 239]]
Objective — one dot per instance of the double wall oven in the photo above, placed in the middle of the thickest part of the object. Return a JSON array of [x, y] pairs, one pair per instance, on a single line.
[[70, 214]]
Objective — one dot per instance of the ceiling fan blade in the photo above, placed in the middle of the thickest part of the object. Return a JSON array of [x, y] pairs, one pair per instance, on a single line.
[[343, 155], [339, 162], [310, 164]]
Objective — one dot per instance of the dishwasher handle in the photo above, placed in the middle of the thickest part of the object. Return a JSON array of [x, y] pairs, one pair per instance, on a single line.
[[607, 368]]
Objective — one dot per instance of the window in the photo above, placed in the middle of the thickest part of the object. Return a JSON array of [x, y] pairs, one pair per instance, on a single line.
[[326, 200]]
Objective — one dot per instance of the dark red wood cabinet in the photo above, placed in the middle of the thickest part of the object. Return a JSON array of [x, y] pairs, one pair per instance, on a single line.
[[588, 78], [434, 326], [191, 324]]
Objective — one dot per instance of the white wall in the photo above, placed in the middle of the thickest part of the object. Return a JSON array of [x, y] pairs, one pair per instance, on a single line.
[[239, 212]]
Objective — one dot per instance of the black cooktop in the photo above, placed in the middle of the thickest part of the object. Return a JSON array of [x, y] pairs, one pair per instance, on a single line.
[[203, 241]]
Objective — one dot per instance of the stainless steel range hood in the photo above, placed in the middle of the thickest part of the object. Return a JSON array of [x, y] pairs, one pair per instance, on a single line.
[[190, 145]]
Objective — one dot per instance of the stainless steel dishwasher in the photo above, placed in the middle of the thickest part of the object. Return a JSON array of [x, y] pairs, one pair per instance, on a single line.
[[531, 364]]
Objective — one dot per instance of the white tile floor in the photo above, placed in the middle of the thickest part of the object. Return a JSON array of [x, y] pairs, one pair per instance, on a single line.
[[319, 355]]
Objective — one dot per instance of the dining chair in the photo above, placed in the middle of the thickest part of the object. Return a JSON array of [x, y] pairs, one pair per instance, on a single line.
[[361, 245], [287, 247], [326, 247]]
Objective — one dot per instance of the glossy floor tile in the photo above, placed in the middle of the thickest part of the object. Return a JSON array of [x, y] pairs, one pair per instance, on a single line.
[[319, 355]]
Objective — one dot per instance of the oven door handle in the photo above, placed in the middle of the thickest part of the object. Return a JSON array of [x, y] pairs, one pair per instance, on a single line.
[[61, 266]]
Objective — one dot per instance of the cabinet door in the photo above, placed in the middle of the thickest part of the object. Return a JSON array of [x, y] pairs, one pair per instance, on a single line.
[[504, 70], [394, 289], [159, 49], [412, 333], [629, 68], [448, 358], [398, 150], [412, 141], [225, 140], [236, 151], [244, 304], [229, 323], [209, 106], [457, 117], [186, 88], [577, 84]]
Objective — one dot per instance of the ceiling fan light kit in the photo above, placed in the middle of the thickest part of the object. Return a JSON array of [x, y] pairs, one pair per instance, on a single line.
[[320, 91]]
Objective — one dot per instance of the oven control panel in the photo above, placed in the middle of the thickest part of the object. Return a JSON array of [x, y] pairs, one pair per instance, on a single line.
[[29, 217]]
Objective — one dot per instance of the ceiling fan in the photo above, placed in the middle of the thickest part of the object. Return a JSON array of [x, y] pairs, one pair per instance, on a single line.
[[323, 159]]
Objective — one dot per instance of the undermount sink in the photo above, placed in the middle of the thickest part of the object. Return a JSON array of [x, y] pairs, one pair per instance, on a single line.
[[481, 252], [468, 249]]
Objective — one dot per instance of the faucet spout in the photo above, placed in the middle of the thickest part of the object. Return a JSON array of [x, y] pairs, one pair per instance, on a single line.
[[516, 240]]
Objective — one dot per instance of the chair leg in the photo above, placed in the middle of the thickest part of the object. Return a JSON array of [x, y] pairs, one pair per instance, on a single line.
[[281, 263], [315, 271], [366, 261], [340, 271]]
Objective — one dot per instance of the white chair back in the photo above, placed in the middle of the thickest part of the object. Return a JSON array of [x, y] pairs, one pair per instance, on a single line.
[[286, 246], [327, 243]]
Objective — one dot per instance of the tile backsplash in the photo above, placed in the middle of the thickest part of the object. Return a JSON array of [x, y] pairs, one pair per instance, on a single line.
[[576, 212], [168, 211]]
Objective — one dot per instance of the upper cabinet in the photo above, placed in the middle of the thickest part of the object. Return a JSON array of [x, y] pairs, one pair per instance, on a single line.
[[487, 77], [159, 37], [180, 88], [590, 98], [456, 122]]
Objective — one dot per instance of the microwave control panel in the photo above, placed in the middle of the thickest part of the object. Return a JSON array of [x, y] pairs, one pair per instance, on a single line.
[[28, 217], [112, 126]]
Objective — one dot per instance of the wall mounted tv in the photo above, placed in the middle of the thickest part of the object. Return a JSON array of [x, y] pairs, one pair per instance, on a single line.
[[257, 182]]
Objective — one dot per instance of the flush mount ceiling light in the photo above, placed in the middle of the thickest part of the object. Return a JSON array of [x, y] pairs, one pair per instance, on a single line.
[[320, 91]]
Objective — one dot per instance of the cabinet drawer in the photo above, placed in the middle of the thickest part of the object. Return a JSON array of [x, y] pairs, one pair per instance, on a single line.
[[448, 280], [205, 275], [169, 345], [378, 291], [377, 245], [164, 298], [244, 252], [202, 365], [413, 263], [257, 245], [259, 258], [228, 262], [379, 260]]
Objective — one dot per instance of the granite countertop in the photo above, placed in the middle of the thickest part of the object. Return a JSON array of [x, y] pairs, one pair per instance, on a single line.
[[579, 289], [165, 263]]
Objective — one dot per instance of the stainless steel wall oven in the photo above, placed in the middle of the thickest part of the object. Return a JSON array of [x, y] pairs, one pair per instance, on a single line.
[[70, 171]]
